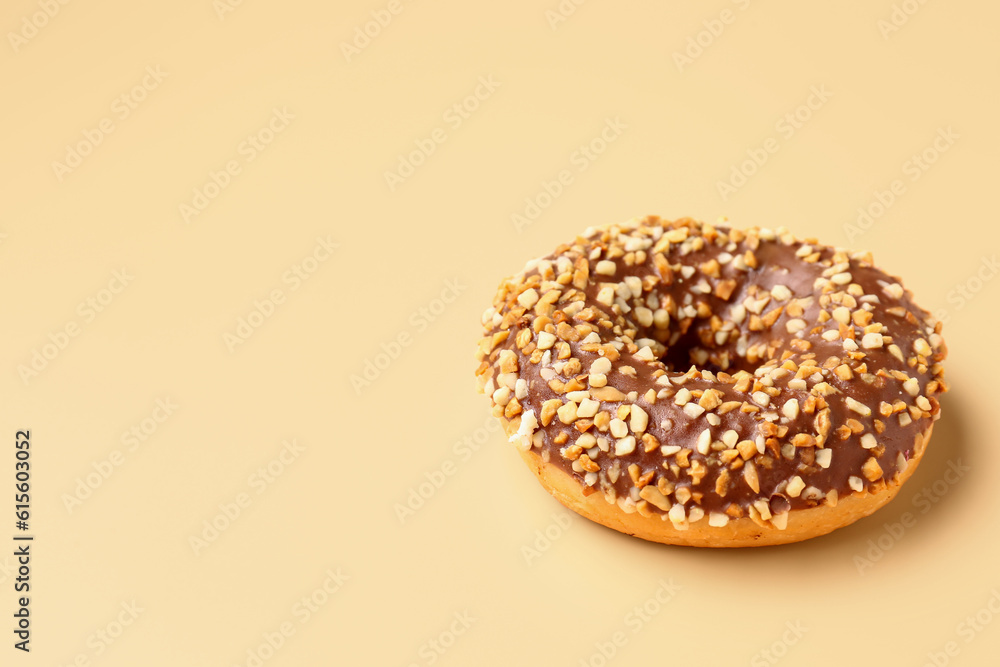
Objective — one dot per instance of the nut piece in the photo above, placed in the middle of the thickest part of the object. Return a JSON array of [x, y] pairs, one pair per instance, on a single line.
[[652, 495], [747, 449], [750, 476], [607, 394], [567, 413], [871, 341], [639, 419], [549, 409], [858, 407], [605, 268], [625, 446], [872, 470]]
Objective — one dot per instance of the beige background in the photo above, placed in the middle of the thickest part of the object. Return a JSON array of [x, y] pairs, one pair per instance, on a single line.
[[476, 546]]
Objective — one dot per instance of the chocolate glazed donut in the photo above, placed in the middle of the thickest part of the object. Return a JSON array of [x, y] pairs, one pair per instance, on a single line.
[[699, 385]]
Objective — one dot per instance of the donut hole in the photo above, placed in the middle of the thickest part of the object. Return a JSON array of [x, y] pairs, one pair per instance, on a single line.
[[696, 345], [689, 350], [706, 332]]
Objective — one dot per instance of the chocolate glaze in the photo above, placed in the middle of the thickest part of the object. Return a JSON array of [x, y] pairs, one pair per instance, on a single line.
[[778, 262]]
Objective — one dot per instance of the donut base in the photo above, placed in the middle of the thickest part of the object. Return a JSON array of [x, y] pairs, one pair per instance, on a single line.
[[803, 524]]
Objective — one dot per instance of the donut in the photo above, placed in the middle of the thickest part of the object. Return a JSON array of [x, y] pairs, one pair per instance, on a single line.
[[701, 385]]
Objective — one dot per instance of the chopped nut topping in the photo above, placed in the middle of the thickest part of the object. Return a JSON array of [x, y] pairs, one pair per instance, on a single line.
[[611, 308], [750, 476], [639, 419], [711, 399], [791, 408], [682, 458], [678, 517], [693, 410], [625, 446], [528, 298], [781, 293], [803, 440], [747, 449], [795, 487], [549, 409], [844, 372], [683, 396], [653, 496], [871, 470], [607, 394], [567, 413], [704, 441], [546, 340], [794, 326], [871, 341], [587, 464], [824, 457], [858, 407], [606, 268], [725, 289]]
